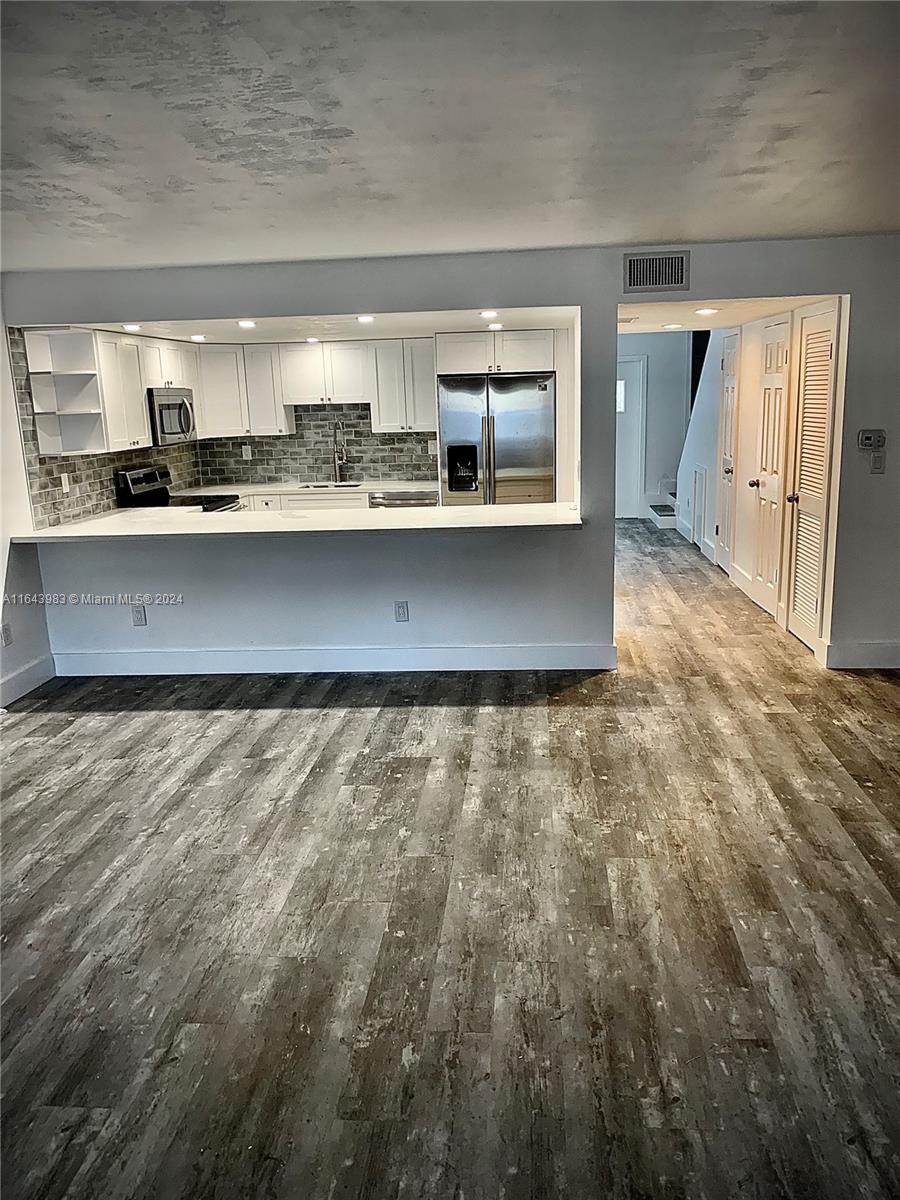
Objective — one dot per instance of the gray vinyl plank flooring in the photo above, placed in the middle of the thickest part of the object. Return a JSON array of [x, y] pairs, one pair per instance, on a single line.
[[462, 936]]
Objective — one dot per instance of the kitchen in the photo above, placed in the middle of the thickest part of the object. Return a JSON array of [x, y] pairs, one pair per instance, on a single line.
[[397, 420]]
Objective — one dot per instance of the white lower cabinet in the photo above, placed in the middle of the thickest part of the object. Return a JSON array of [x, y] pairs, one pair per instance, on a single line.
[[265, 394], [405, 393], [316, 501], [264, 503], [224, 410]]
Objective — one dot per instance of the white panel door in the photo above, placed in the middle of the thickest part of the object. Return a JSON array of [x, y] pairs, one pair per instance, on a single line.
[[523, 350], [769, 491], [810, 475], [630, 406], [225, 412], [727, 417], [265, 399], [389, 409], [134, 394], [464, 353], [350, 373], [421, 390], [114, 410], [302, 373]]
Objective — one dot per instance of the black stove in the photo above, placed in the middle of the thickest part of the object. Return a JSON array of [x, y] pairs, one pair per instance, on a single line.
[[148, 487]]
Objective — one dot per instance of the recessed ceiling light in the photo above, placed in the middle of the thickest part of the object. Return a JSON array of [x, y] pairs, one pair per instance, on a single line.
[[496, 325], [247, 324], [488, 313], [198, 337], [312, 341], [365, 319], [705, 312], [673, 327], [131, 328]]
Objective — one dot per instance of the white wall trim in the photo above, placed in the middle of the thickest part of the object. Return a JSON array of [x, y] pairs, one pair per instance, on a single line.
[[683, 528], [28, 677], [338, 658], [872, 655], [709, 549]]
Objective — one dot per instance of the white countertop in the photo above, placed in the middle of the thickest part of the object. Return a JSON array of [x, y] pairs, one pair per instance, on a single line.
[[284, 489], [189, 521]]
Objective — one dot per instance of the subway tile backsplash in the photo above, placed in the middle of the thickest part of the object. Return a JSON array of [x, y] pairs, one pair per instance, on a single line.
[[305, 455]]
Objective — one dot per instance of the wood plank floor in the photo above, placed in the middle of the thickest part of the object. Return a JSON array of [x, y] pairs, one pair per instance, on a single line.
[[462, 936]]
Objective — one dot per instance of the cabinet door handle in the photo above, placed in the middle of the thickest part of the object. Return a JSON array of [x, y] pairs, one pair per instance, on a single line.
[[498, 366], [490, 368]]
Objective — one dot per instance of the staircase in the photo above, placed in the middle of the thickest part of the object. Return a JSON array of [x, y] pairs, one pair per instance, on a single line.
[[663, 515]]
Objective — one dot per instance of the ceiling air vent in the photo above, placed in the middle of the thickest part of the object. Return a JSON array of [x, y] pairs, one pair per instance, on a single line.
[[666, 272]]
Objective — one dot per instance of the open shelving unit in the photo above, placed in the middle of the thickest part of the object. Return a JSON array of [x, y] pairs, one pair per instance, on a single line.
[[65, 389]]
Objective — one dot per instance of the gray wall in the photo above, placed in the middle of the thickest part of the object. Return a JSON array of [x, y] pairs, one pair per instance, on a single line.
[[26, 662], [488, 597], [867, 562], [668, 401]]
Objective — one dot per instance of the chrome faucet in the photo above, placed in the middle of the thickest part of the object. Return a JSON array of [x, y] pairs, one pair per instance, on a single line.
[[340, 452]]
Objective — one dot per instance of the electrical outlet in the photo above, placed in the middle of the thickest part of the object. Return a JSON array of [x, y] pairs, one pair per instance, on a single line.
[[64, 483], [138, 615], [247, 452], [6, 635], [876, 462], [432, 446], [401, 610]]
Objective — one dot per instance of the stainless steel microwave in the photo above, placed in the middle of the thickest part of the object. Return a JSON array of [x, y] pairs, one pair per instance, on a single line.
[[172, 416]]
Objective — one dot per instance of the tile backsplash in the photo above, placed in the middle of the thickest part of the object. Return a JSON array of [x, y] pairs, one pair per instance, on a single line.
[[305, 455], [90, 475]]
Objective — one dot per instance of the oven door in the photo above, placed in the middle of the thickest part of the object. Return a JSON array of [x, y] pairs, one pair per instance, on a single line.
[[174, 420]]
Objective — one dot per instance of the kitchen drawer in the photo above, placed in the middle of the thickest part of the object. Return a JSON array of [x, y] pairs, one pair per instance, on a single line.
[[264, 503], [326, 500]]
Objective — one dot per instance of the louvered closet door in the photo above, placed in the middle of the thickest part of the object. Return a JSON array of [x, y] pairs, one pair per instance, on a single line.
[[815, 405]]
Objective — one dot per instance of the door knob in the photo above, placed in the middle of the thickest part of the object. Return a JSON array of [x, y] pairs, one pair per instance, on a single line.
[[728, 470], [753, 483], [793, 498]]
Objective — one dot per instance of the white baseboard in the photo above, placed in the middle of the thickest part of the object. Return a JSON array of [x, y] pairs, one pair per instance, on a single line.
[[26, 679], [709, 549], [683, 528], [572, 656], [873, 655]]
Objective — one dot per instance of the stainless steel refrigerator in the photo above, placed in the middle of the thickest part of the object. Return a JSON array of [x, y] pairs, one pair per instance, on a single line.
[[497, 438]]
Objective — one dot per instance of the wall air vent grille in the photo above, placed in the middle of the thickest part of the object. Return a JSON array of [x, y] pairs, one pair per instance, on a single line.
[[658, 272]]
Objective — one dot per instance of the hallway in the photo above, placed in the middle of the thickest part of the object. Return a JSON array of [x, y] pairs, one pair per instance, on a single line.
[[463, 936]]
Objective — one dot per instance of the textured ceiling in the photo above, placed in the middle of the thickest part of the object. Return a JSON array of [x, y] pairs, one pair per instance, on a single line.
[[152, 134]]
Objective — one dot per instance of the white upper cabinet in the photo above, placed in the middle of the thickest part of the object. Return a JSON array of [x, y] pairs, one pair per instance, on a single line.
[[224, 410], [303, 373], [523, 350], [389, 409], [124, 399], [421, 391], [350, 372], [464, 353], [405, 396], [332, 372], [265, 396], [483, 353], [162, 363]]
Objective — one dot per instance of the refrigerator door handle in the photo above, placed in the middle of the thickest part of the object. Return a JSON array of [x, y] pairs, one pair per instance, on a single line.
[[492, 458], [485, 459]]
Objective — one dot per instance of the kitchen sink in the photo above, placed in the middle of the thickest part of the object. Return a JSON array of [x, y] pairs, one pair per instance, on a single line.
[[330, 485]]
